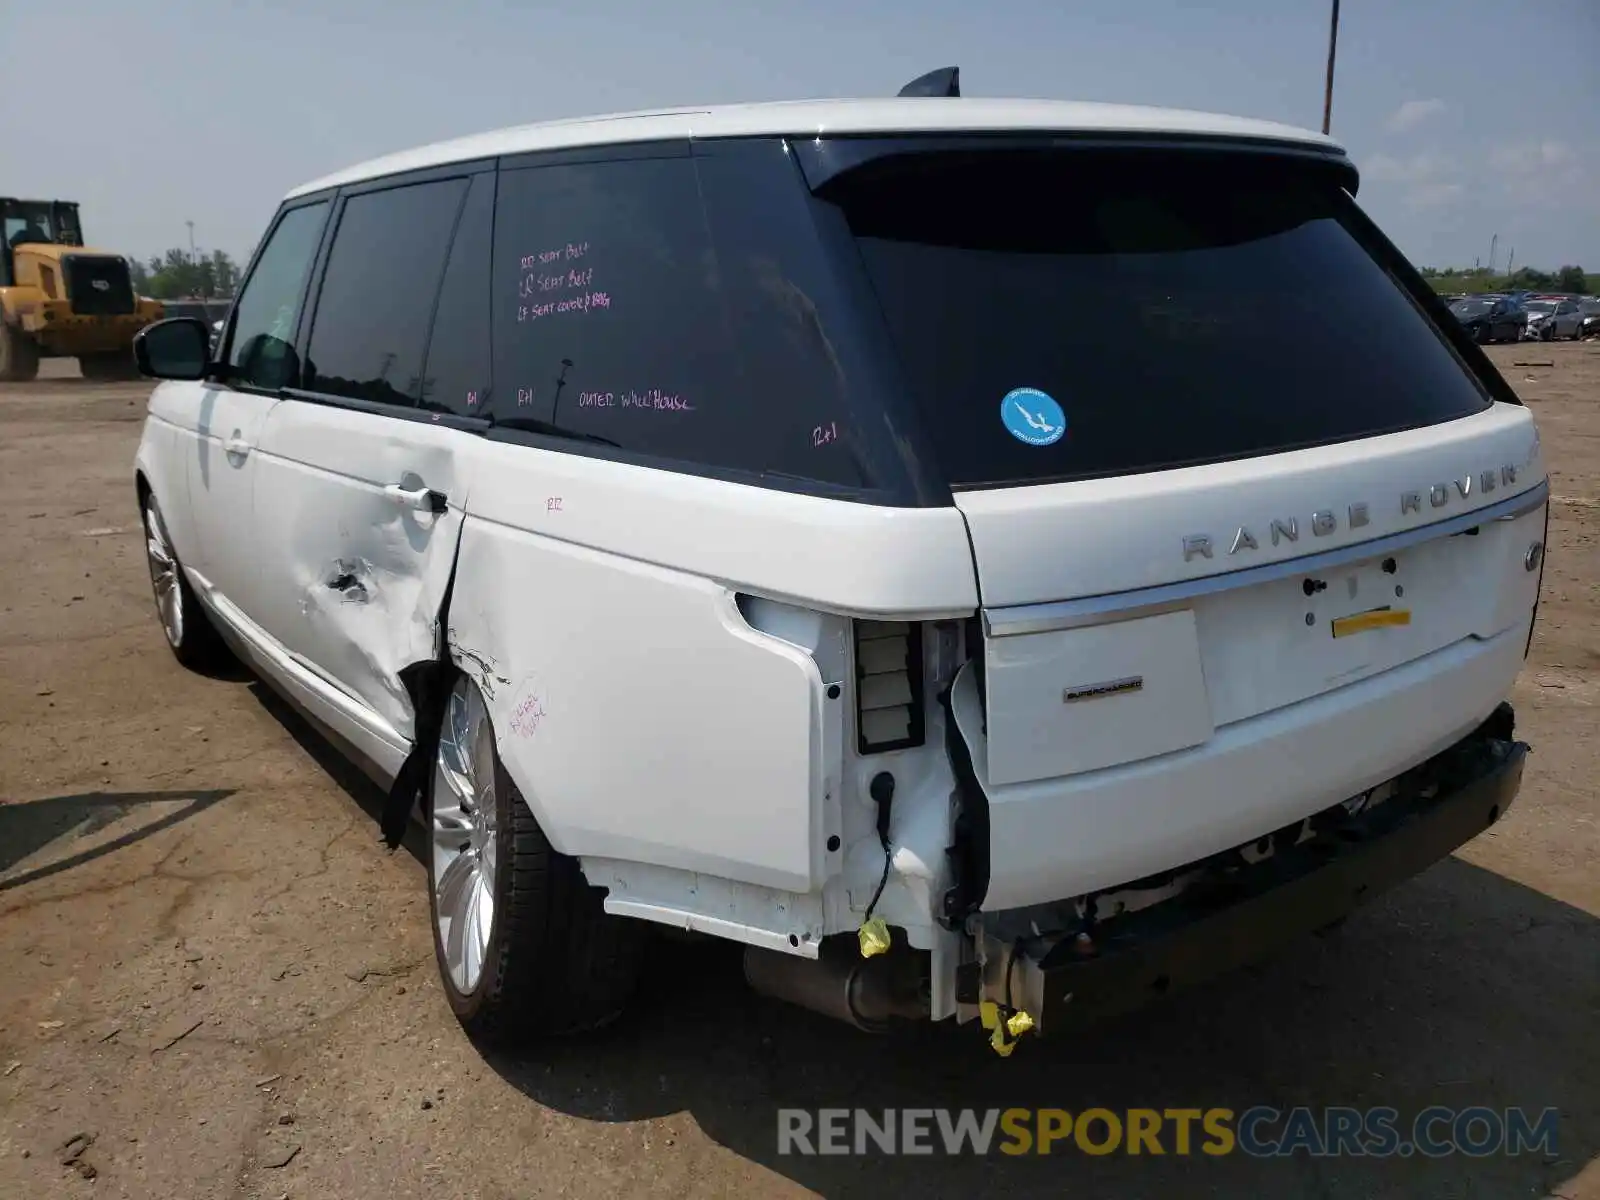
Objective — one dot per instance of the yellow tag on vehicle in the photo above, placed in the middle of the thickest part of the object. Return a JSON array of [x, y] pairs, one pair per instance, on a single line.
[[1377, 618]]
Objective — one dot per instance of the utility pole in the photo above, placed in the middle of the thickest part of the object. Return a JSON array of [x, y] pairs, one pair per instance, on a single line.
[[1493, 241], [1333, 45], [190, 224]]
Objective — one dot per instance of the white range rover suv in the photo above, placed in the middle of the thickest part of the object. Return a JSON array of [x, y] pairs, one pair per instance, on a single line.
[[992, 559]]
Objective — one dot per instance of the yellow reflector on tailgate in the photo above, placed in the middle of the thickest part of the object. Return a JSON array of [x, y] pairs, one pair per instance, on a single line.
[[1377, 618]]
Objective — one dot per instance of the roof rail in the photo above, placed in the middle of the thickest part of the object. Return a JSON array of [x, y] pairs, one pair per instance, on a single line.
[[946, 81]]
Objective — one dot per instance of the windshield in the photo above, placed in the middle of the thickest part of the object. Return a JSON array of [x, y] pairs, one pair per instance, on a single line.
[[28, 222], [1070, 314]]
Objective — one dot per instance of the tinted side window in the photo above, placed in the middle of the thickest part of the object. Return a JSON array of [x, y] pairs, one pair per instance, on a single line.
[[614, 318], [261, 353], [370, 327], [456, 377]]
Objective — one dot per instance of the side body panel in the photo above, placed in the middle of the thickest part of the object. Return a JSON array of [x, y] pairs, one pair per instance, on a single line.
[[643, 715]]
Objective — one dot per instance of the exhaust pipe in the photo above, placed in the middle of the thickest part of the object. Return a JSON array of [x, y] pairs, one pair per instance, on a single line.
[[839, 983]]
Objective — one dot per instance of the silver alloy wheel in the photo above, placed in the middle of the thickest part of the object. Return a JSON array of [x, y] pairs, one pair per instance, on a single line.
[[163, 574], [463, 844]]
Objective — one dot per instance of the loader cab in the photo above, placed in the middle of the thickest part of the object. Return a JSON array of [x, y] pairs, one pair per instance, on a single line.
[[32, 222]]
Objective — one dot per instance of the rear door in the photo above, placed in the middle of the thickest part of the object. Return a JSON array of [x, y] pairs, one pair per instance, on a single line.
[[360, 491], [1183, 512]]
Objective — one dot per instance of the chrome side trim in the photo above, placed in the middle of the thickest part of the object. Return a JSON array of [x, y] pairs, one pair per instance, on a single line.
[[1121, 606]]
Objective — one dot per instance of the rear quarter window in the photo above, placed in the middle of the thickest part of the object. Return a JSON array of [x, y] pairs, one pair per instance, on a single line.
[[621, 317], [1178, 309]]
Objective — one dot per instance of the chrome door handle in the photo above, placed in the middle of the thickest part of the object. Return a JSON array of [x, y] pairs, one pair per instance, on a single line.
[[422, 499]]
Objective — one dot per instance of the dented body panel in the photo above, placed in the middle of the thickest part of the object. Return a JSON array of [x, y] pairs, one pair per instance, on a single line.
[[360, 562]]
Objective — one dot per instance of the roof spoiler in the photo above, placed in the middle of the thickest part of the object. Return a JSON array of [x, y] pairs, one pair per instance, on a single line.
[[946, 81]]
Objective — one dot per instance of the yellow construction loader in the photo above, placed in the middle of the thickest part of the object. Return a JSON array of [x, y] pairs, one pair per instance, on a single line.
[[61, 300]]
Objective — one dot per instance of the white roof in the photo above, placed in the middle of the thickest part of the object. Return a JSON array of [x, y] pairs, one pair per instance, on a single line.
[[816, 117]]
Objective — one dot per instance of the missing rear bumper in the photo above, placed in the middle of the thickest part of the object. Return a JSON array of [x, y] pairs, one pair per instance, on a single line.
[[1236, 912]]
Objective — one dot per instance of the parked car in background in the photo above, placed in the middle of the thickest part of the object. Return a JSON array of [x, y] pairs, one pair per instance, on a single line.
[[1490, 318], [1550, 318], [1589, 306]]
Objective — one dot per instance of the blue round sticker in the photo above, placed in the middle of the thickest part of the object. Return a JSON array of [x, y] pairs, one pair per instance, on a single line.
[[1031, 416]]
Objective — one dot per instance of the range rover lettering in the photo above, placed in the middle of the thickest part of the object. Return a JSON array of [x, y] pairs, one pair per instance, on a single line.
[[718, 519]]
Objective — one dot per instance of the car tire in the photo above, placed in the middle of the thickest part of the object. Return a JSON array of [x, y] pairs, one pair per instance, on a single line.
[[194, 640], [112, 367], [524, 946], [19, 356]]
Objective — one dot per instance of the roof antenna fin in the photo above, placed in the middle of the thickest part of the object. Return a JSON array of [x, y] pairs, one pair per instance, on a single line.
[[946, 81]]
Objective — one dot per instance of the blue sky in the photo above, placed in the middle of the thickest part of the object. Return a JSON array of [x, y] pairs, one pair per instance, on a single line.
[[1468, 118]]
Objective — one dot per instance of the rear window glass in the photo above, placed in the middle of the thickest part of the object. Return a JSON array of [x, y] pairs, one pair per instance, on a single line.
[[1081, 313]]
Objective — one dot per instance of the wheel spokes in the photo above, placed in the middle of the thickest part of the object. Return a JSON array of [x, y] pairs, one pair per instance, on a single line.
[[455, 766], [463, 831], [452, 831], [163, 575], [474, 937]]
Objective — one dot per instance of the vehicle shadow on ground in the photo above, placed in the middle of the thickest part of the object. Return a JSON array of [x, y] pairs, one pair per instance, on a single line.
[[30, 826], [319, 745], [1460, 989]]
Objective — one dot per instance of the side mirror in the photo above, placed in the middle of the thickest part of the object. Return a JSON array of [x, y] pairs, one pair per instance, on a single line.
[[177, 348]]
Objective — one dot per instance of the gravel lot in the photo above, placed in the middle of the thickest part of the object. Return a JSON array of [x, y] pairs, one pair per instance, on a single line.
[[210, 966]]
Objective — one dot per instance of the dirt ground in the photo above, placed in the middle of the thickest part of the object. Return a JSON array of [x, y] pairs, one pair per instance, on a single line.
[[211, 967]]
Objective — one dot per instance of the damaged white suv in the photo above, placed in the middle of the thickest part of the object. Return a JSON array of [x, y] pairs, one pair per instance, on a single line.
[[991, 558]]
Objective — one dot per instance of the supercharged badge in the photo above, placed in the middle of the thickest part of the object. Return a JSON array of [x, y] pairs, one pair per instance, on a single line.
[[1099, 691]]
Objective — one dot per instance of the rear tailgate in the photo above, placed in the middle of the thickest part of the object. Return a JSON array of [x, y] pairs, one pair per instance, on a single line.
[[1132, 617], [1254, 528]]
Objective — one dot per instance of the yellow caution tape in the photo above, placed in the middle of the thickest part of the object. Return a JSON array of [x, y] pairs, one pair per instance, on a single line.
[[1004, 1034], [874, 936]]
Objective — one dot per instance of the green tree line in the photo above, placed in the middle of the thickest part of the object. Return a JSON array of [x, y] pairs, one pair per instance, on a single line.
[[177, 274], [1469, 280]]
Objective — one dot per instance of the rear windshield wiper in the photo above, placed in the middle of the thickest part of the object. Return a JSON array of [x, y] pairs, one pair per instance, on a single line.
[[534, 425]]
